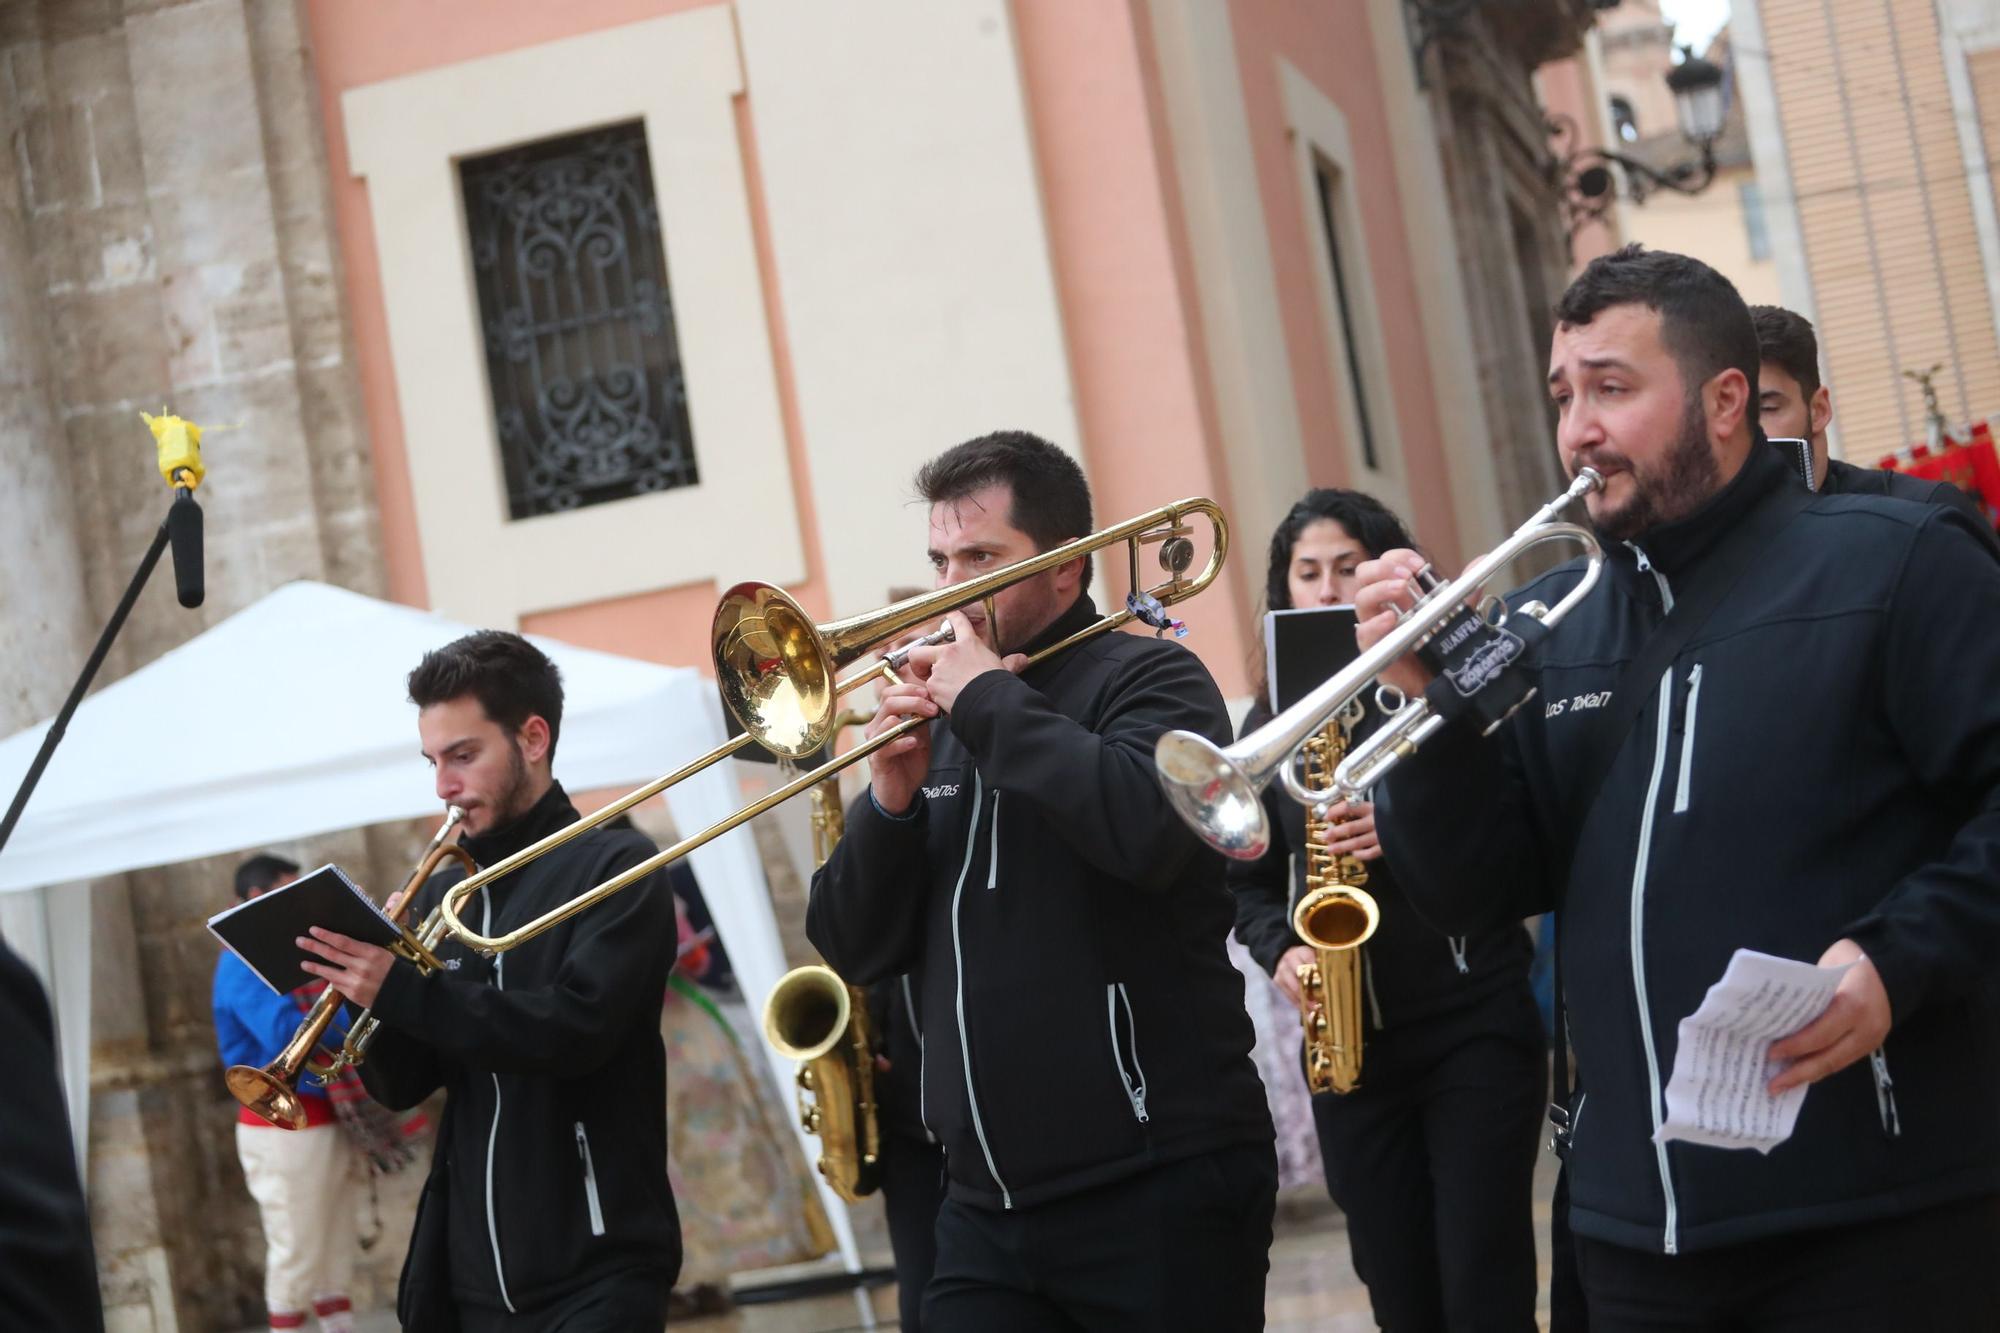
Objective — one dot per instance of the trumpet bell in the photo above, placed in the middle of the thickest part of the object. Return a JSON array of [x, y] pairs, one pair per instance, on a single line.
[[266, 1095], [775, 669], [1213, 794]]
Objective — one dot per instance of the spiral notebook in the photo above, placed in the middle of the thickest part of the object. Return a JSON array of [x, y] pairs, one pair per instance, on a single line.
[[263, 931]]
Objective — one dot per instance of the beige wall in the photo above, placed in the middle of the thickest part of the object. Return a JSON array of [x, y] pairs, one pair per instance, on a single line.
[[1712, 227], [1885, 211]]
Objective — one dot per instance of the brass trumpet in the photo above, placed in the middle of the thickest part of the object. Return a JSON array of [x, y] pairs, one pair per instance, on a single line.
[[1216, 788], [779, 674], [272, 1092]]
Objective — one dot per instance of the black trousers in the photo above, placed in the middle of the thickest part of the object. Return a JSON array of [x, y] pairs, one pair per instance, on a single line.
[[1184, 1246], [912, 1192], [623, 1303], [1432, 1159], [1936, 1271]]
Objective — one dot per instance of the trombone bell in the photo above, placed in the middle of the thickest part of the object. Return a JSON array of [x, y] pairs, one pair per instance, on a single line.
[[775, 669]]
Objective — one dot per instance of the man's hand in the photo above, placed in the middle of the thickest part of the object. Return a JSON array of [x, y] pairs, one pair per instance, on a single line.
[[1350, 830], [1856, 1021], [1286, 974], [948, 668], [896, 771], [1382, 588], [353, 968]]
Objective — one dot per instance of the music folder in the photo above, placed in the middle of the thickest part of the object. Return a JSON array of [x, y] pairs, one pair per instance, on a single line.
[[263, 931], [1303, 648]]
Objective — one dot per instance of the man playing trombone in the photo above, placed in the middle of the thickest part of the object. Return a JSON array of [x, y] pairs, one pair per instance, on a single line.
[[547, 1205], [1086, 1052]]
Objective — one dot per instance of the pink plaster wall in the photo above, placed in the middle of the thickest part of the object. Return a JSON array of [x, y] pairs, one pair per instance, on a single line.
[[1328, 43], [1122, 278], [359, 42]]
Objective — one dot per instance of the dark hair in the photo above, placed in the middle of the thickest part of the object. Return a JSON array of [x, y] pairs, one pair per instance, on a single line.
[[1703, 321], [512, 679], [261, 871], [1786, 338], [1051, 498], [1366, 519]]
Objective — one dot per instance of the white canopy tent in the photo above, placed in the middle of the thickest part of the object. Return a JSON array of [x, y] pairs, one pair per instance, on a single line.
[[289, 720]]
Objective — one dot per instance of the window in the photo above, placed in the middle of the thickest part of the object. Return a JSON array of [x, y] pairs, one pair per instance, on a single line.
[[1624, 121], [1755, 231], [582, 359], [1328, 183]]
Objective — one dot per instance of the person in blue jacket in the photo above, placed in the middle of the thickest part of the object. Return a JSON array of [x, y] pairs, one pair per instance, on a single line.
[[303, 1180]]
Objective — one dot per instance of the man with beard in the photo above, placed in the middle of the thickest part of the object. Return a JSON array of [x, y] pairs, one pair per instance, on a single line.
[[1086, 1055], [1771, 726], [547, 1206]]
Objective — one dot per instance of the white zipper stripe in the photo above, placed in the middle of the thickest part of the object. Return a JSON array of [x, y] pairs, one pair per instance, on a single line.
[[1681, 791], [923, 1055], [1671, 1238], [589, 1181], [493, 1134], [993, 848], [1368, 979], [958, 963], [1135, 1093]]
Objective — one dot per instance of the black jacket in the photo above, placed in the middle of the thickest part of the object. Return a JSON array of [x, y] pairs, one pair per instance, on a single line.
[[552, 1159], [1411, 971], [1822, 761], [1846, 479], [1082, 1020], [899, 1038], [48, 1275]]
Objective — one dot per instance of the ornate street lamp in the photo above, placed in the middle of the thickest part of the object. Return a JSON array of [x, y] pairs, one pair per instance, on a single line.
[[1588, 185]]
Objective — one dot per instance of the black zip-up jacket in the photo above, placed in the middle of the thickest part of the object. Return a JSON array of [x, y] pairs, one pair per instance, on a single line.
[[552, 1158], [48, 1273], [1411, 971], [1843, 478], [1082, 1021], [1821, 761]]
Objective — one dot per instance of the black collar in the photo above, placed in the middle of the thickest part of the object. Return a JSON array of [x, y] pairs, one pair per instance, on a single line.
[[544, 817], [1081, 614], [1674, 547]]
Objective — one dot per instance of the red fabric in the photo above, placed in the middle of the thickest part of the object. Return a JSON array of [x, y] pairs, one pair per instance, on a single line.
[[1973, 467], [333, 1305], [289, 1320]]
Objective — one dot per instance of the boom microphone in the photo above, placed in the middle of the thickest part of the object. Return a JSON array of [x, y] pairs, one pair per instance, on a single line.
[[184, 532]]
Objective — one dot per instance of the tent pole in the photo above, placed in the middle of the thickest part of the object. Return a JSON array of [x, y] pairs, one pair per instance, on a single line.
[[82, 686]]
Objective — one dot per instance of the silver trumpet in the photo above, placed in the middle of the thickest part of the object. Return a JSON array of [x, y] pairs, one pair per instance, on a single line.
[[1216, 789]]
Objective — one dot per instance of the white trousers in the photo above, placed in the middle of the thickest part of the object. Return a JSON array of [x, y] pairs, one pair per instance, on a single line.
[[304, 1182]]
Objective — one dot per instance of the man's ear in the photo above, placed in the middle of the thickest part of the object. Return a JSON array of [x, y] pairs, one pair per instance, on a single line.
[[1069, 575], [1729, 402], [534, 739], [1819, 412]]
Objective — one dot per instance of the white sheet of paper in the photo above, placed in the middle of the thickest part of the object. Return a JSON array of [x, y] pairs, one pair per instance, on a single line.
[[1717, 1093]]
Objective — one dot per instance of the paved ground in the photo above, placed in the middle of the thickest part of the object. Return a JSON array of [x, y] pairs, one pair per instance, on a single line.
[[1312, 1287]]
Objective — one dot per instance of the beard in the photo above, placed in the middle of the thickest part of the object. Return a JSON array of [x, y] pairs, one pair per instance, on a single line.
[[1687, 476], [510, 802]]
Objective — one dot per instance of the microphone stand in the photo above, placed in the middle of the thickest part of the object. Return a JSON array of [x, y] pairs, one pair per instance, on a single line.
[[182, 495]]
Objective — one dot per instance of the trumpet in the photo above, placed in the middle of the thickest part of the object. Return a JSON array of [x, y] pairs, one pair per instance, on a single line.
[[1216, 788], [779, 675], [272, 1091]]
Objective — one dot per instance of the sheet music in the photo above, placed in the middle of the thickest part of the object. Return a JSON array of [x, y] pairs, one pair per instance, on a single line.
[[1717, 1094]]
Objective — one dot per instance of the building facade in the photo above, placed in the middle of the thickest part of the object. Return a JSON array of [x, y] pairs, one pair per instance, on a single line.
[[1873, 128], [565, 317]]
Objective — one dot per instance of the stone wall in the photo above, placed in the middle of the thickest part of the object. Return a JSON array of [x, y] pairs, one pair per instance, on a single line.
[[165, 240]]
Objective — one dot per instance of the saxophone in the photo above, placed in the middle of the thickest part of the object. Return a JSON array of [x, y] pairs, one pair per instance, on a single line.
[[817, 1019], [1336, 917]]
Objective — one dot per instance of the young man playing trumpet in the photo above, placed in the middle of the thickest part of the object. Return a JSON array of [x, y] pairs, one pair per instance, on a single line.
[[548, 1206], [1086, 1052]]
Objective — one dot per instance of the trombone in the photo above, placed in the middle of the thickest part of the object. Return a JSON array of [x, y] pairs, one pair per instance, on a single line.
[[780, 675], [1216, 788], [272, 1092]]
